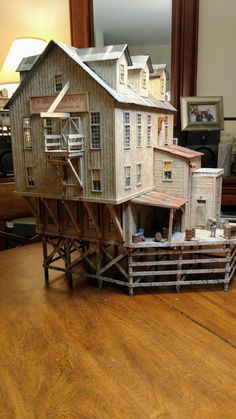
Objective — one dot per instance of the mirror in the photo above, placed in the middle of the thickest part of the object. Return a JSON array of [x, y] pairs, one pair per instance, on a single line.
[[184, 35], [146, 30]]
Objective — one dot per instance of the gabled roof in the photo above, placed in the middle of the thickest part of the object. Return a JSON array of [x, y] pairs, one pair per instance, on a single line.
[[180, 151], [139, 62], [110, 52], [125, 98]]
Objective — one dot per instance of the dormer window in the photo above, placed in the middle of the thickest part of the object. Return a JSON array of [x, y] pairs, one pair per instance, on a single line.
[[122, 73], [58, 82], [144, 79]]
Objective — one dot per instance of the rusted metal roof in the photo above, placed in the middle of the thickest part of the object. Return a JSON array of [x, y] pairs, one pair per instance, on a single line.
[[159, 199], [180, 151]]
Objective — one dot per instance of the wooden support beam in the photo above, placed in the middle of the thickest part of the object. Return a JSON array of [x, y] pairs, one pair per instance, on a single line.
[[59, 98], [73, 219], [116, 220], [51, 213], [34, 211], [92, 215], [54, 115], [110, 257], [111, 263], [172, 213], [75, 173]]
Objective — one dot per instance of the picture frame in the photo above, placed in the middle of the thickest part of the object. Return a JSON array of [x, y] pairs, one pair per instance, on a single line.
[[200, 113]]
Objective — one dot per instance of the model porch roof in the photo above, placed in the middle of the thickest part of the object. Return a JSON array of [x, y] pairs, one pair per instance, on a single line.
[[159, 199], [180, 151], [130, 97], [139, 62]]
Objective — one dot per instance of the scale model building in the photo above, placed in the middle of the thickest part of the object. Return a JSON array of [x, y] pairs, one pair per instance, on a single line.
[[94, 156]]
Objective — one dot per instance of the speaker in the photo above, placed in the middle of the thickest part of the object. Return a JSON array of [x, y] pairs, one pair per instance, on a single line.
[[6, 162], [206, 142]]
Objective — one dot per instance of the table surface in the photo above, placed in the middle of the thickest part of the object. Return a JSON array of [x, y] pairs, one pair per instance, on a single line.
[[98, 353]]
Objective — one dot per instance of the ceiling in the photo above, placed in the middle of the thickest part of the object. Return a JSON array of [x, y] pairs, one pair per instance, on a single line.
[[135, 22]]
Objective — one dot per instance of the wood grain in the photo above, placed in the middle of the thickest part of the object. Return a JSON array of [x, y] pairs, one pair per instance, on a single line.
[[12, 205], [101, 354]]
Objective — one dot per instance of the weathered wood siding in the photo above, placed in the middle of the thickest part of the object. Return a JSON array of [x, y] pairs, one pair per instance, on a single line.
[[135, 80], [134, 155], [155, 85], [206, 188], [47, 181]]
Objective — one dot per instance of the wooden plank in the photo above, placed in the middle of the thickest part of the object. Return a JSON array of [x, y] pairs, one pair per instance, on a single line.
[[109, 256], [111, 263], [75, 173], [183, 262], [178, 272], [54, 115], [116, 221], [73, 219], [177, 251], [51, 213], [92, 216], [59, 97]]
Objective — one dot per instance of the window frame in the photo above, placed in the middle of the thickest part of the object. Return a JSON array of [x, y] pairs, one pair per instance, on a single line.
[[58, 85], [138, 174], [127, 130], [30, 179], [95, 143], [127, 171], [122, 73], [93, 180], [139, 129], [149, 130], [27, 130], [165, 177]]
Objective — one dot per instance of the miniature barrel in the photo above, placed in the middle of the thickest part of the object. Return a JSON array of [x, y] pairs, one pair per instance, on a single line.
[[165, 232], [227, 231], [188, 234], [233, 230], [158, 236]]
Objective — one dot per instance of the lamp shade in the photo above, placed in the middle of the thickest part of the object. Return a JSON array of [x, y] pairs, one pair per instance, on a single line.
[[20, 48]]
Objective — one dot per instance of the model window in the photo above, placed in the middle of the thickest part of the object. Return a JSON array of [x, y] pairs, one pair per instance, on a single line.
[[127, 177], [138, 173], [48, 126], [27, 133], [30, 177], [167, 170], [126, 129], [201, 201], [58, 82], [144, 79], [166, 129], [139, 129], [122, 73], [96, 180], [149, 130], [95, 126]]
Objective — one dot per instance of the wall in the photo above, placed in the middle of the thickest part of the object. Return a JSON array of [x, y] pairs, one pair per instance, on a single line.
[[216, 54], [38, 18]]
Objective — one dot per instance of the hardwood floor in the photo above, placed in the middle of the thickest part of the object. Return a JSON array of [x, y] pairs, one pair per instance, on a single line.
[[97, 353]]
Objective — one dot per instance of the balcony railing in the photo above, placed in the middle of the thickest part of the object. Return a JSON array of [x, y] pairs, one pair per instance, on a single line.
[[68, 144]]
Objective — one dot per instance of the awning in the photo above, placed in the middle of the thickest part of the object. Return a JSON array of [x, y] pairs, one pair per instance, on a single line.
[[159, 199]]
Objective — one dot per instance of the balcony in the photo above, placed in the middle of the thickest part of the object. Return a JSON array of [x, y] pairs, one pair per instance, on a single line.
[[70, 145]]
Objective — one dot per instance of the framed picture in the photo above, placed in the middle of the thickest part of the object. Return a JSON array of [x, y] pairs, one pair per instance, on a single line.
[[201, 113]]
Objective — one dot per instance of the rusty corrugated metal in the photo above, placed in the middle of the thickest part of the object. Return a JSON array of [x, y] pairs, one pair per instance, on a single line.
[[181, 151], [159, 199]]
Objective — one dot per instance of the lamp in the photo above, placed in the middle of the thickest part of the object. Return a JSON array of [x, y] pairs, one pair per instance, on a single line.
[[20, 48]]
